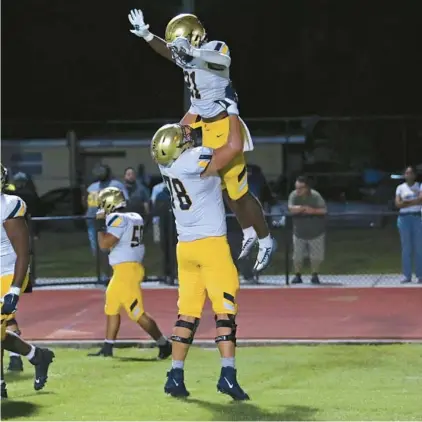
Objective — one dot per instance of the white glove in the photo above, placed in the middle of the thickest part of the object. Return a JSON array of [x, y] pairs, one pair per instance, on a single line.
[[229, 105], [136, 18], [181, 45]]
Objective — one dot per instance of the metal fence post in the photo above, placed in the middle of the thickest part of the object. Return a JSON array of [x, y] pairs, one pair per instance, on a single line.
[[97, 259], [287, 249], [32, 259]]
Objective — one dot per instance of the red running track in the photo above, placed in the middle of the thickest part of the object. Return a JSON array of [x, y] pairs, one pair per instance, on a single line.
[[288, 313]]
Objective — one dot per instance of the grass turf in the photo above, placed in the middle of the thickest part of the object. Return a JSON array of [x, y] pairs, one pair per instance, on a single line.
[[285, 383], [348, 251]]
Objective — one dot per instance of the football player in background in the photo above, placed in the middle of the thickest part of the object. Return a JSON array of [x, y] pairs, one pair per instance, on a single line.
[[123, 238], [206, 68], [205, 265], [14, 254]]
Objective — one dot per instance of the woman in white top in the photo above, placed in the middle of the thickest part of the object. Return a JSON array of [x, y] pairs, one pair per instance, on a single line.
[[409, 202]]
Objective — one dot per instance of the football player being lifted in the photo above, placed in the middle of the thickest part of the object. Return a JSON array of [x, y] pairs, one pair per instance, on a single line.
[[205, 265], [206, 68]]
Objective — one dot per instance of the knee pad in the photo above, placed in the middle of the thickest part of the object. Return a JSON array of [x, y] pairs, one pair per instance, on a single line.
[[192, 326], [227, 323], [11, 322]]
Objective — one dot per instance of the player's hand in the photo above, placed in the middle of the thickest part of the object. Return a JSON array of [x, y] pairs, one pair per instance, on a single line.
[[181, 45], [10, 303], [140, 29], [100, 215], [229, 105]]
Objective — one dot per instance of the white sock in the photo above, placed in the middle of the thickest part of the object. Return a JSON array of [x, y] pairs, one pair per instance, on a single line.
[[249, 232], [162, 341], [109, 341], [177, 364], [11, 354], [266, 242], [31, 353]]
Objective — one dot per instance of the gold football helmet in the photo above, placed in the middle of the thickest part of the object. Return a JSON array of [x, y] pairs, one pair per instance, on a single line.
[[187, 26], [110, 199], [169, 142]]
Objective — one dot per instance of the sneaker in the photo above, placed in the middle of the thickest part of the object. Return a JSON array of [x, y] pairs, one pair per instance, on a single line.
[[42, 360], [315, 279], [164, 351], [247, 245], [227, 384], [264, 257], [405, 281], [175, 385], [297, 279], [15, 364], [419, 280], [105, 351]]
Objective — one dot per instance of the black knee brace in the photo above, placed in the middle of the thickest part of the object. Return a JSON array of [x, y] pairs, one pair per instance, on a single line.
[[228, 323], [11, 322], [193, 326]]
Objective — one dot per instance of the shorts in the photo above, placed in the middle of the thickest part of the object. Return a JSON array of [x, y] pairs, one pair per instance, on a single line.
[[124, 290], [6, 282], [206, 267], [315, 246], [234, 175]]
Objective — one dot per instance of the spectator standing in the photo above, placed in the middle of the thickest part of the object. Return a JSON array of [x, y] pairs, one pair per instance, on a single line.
[[103, 179], [138, 193], [309, 209], [143, 178], [409, 222]]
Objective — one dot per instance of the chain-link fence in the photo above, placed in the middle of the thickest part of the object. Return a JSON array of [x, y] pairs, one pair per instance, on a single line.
[[352, 249]]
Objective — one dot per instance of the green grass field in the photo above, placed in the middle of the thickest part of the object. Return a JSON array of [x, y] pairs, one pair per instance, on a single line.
[[351, 251], [285, 383]]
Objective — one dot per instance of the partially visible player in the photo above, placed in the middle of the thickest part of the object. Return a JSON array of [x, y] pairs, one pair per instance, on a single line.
[[39, 358], [123, 238], [205, 265], [14, 255], [206, 68]]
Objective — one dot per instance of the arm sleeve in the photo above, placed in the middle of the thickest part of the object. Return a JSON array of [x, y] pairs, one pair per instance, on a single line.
[[320, 201], [16, 208], [116, 225], [398, 191], [201, 157], [215, 52]]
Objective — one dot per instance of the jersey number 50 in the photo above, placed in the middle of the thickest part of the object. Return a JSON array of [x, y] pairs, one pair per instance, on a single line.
[[191, 83], [176, 188], [136, 236]]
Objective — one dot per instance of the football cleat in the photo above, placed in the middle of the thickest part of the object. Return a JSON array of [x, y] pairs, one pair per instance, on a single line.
[[42, 360], [227, 384], [264, 257], [164, 351], [105, 351], [175, 385], [15, 364], [247, 244]]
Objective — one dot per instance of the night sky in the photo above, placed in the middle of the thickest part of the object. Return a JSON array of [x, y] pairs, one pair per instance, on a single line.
[[74, 59]]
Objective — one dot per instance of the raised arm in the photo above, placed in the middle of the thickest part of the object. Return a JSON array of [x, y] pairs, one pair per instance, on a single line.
[[140, 29]]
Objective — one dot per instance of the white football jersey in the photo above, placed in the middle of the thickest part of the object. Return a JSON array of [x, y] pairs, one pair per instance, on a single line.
[[208, 84], [197, 203], [11, 207], [128, 227]]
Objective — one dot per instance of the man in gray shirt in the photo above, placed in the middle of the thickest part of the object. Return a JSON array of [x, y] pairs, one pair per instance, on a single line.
[[308, 209]]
